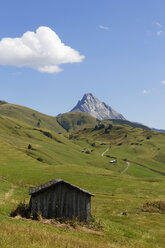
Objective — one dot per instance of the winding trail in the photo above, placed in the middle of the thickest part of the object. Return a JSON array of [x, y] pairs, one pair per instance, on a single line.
[[105, 152], [128, 165]]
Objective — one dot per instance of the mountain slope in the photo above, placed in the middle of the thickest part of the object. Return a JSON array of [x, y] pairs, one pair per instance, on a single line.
[[120, 197], [76, 121], [59, 124], [100, 110], [129, 123], [143, 148], [30, 117]]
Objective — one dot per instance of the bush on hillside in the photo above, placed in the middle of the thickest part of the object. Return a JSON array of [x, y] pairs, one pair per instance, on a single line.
[[93, 144], [29, 146], [110, 126], [106, 130], [40, 159], [48, 134], [22, 210], [154, 207]]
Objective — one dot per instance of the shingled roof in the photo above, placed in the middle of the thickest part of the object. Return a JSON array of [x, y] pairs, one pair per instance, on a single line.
[[49, 184]]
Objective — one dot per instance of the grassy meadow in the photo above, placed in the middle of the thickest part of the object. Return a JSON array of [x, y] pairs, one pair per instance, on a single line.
[[129, 206]]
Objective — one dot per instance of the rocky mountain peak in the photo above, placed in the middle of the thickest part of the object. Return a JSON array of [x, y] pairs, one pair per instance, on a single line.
[[89, 98], [93, 106]]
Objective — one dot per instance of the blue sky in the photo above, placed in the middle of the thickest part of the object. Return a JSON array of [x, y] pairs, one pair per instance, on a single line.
[[124, 47]]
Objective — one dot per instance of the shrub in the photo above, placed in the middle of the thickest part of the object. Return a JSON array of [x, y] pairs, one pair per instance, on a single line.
[[93, 144], [47, 134], [154, 207], [106, 130], [148, 137], [110, 126], [96, 223], [40, 159], [38, 123], [29, 146], [22, 209], [101, 126]]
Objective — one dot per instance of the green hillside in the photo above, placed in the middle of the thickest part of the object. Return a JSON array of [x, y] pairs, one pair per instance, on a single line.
[[30, 117], [144, 148], [126, 122], [59, 124], [129, 195], [76, 120]]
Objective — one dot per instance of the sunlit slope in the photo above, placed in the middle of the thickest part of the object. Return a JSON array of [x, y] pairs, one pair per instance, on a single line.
[[30, 117], [118, 197], [144, 149], [126, 122], [48, 150], [76, 120], [59, 124]]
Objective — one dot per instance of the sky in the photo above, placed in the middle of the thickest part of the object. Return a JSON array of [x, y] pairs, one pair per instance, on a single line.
[[52, 52]]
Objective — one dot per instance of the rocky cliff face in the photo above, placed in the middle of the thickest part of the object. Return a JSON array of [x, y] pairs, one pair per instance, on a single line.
[[92, 106]]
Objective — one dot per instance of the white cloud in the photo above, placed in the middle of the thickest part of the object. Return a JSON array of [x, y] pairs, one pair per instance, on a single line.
[[41, 50], [163, 82], [103, 27], [146, 92], [160, 32]]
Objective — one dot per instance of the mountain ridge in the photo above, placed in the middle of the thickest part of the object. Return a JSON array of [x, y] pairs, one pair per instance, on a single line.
[[94, 107]]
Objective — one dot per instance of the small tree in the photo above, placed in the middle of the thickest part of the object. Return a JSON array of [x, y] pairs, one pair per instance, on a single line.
[[29, 146], [39, 123]]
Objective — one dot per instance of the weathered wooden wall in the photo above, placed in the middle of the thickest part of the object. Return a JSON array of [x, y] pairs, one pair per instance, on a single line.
[[61, 200]]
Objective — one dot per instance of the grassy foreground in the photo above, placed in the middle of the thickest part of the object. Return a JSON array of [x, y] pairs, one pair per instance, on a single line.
[[120, 202]]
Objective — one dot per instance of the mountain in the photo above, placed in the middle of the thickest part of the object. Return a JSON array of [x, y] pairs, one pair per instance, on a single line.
[[92, 106]]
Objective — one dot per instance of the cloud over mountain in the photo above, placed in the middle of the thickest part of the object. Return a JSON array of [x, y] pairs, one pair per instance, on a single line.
[[41, 50]]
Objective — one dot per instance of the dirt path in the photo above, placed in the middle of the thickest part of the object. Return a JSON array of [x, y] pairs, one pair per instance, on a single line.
[[4, 197], [128, 165], [105, 152], [9, 193]]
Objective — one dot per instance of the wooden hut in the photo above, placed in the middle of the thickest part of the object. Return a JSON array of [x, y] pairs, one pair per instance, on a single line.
[[60, 199]]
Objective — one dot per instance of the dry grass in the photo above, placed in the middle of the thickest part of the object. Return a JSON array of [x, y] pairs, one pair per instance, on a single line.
[[72, 225], [28, 236], [154, 207]]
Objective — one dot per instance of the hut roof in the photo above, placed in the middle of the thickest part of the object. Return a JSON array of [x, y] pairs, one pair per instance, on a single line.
[[49, 184]]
